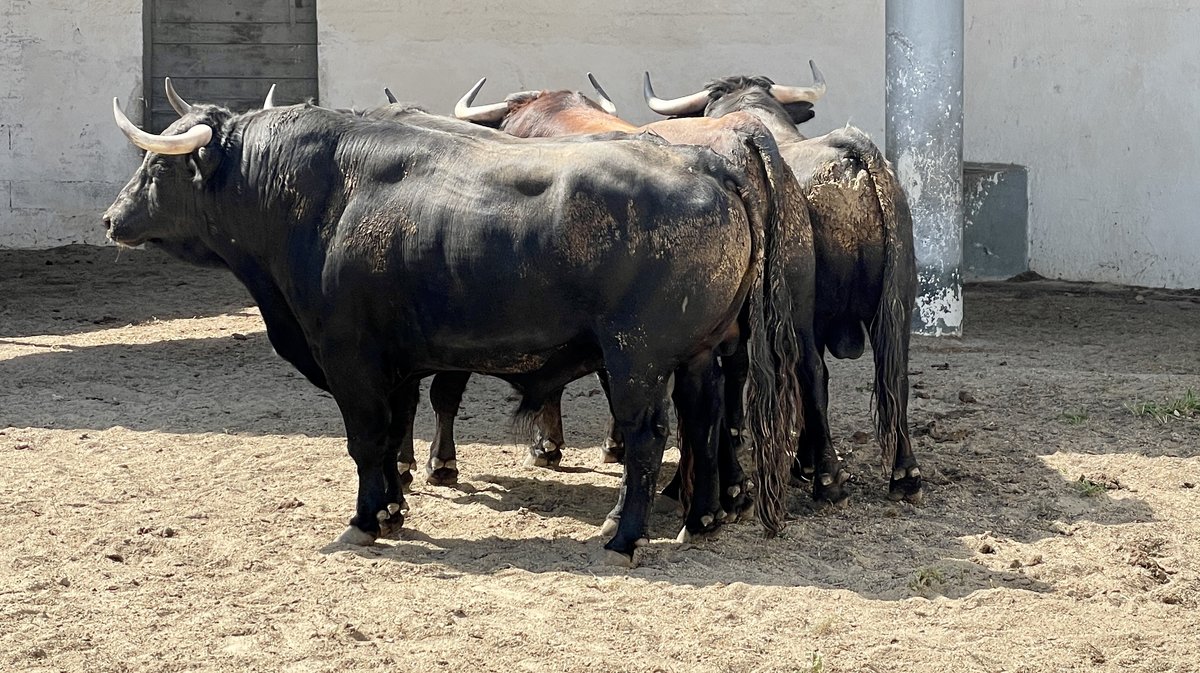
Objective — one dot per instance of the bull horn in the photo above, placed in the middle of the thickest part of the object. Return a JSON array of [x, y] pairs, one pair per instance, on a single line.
[[483, 114], [269, 101], [605, 102], [801, 94], [184, 143], [675, 106], [181, 106], [390, 96]]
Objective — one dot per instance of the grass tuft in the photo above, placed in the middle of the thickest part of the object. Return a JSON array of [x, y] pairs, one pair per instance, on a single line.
[[1075, 417], [1088, 488], [925, 578], [1187, 406]]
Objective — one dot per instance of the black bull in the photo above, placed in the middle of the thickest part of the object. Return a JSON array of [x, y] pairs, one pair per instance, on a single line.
[[866, 267], [381, 252]]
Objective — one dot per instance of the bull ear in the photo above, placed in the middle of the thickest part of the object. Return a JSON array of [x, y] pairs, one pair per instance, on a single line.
[[204, 162], [800, 112]]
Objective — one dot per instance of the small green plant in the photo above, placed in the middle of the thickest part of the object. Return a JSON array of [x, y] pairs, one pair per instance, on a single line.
[[1075, 417], [1187, 406], [1088, 488], [925, 578], [816, 663]]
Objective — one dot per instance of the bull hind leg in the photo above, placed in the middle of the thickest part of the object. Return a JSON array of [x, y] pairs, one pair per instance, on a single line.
[[613, 450], [548, 441], [698, 402], [816, 458], [404, 414], [891, 402], [809, 443], [640, 413], [736, 487], [445, 394]]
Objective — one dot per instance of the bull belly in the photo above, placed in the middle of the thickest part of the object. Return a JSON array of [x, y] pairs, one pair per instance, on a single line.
[[513, 359]]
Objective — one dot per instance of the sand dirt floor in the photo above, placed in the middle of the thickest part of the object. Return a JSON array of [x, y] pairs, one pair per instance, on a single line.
[[170, 490]]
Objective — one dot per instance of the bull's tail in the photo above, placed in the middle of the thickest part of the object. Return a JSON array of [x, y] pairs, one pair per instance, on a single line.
[[891, 325], [773, 410], [532, 402]]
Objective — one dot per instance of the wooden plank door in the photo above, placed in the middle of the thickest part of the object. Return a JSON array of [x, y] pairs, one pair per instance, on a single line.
[[230, 52]]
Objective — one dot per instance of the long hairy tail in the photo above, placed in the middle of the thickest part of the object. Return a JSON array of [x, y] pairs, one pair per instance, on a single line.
[[773, 410], [892, 324]]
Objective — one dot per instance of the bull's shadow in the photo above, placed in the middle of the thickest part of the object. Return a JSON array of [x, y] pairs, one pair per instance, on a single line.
[[876, 548], [77, 289], [222, 384], [543, 493], [233, 384]]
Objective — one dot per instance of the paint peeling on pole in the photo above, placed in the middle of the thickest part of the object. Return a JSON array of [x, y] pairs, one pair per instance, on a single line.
[[924, 141]]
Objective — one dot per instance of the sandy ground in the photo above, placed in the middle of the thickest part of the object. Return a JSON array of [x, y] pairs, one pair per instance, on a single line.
[[169, 491]]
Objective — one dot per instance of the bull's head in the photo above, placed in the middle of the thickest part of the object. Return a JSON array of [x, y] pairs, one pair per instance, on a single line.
[[543, 113], [729, 94], [161, 202], [492, 114]]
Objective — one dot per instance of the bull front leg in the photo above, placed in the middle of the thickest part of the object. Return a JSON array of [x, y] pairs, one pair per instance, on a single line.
[[368, 412]]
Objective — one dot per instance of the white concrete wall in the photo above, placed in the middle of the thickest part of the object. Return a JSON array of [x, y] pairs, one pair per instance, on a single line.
[[62, 159], [432, 53], [1099, 98]]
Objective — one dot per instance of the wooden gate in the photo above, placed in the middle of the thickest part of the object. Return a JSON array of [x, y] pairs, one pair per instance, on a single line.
[[229, 52]]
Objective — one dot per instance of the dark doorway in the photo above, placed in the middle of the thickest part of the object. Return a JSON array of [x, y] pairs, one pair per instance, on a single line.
[[229, 52]]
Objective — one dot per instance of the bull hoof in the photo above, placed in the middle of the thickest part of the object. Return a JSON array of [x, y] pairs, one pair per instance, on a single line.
[[609, 527], [612, 452], [391, 520], [704, 525], [406, 476], [906, 485], [356, 536], [442, 477], [831, 488], [736, 500], [441, 473], [615, 558], [546, 454], [802, 475]]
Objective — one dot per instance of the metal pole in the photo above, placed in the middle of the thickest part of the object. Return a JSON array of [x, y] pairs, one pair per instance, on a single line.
[[924, 142]]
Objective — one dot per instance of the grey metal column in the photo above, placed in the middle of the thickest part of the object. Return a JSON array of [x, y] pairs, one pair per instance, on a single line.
[[924, 141]]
